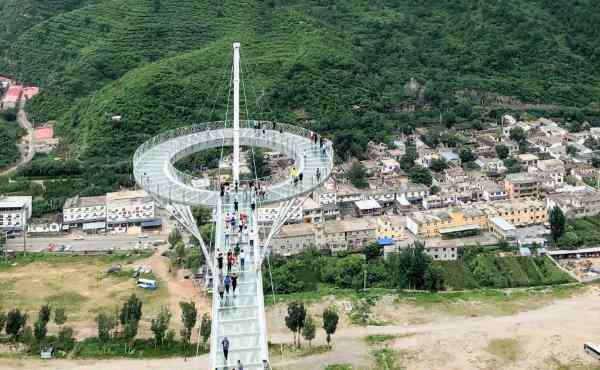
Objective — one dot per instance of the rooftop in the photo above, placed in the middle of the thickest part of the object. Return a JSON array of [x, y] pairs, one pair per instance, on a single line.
[[502, 223], [126, 194], [516, 204], [78, 202], [295, 230], [521, 177], [527, 157], [13, 94], [44, 133], [364, 205], [357, 224], [14, 201]]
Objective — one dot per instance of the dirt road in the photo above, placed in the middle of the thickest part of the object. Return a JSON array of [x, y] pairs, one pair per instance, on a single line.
[[27, 142], [540, 339]]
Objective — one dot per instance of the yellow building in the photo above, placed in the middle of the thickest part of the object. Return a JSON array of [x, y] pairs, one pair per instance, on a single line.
[[521, 212], [390, 227], [454, 222]]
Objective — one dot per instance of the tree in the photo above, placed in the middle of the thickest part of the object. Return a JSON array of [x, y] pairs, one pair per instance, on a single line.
[[15, 321], [502, 151], [358, 175], [130, 316], [407, 269], [466, 155], [434, 189], [572, 150], [160, 325], [408, 159], [517, 134], [438, 165], [2, 320], [45, 313], [188, 318], [596, 160], [174, 237], [66, 340], [259, 167], [309, 329], [434, 278], [60, 316], [557, 223], [40, 330], [106, 324], [295, 319], [202, 215], [205, 327], [372, 251], [330, 321], [420, 175]]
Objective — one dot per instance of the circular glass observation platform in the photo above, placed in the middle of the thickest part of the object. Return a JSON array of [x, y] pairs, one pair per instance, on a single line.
[[154, 170]]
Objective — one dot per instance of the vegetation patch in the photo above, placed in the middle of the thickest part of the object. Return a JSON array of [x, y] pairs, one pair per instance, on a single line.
[[386, 359], [379, 338], [505, 349]]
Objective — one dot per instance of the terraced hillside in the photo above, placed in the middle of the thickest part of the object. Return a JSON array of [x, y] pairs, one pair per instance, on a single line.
[[341, 67]]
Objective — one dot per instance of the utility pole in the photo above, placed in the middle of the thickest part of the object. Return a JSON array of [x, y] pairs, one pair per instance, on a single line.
[[236, 113]]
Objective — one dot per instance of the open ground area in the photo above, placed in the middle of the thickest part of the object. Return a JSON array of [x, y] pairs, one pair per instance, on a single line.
[[82, 285], [538, 328]]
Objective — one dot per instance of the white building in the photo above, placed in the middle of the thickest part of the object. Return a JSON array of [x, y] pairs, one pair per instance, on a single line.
[[79, 211], [129, 208], [15, 212]]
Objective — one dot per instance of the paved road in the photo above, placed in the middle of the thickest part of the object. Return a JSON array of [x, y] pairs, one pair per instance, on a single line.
[[123, 242], [27, 147]]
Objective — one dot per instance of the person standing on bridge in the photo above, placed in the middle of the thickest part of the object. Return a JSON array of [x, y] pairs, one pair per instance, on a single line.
[[229, 261], [235, 205], [225, 344], [239, 365], [233, 283], [220, 287], [242, 259], [220, 260]]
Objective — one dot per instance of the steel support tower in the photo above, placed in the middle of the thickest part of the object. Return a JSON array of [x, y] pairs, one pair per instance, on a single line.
[[239, 317]]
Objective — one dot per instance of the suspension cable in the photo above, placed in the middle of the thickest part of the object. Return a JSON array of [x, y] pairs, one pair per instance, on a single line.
[[256, 179]]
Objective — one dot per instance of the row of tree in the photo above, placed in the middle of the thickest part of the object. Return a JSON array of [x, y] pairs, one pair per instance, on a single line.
[[14, 324], [123, 324], [300, 322]]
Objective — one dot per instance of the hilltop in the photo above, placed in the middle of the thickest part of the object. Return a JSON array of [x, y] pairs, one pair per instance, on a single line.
[[356, 70]]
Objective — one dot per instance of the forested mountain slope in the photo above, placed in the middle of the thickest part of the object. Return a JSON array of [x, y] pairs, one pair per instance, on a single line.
[[343, 67]]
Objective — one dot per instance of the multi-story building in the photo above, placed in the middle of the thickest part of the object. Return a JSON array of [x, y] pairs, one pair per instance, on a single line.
[[346, 234], [553, 170], [80, 211], [390, 227], [528, 160], [442, 253], [491, 191], [521, 212], [451, 222], [575, 201], [522, 185], [129, 208], [293, 239], [15, 212]]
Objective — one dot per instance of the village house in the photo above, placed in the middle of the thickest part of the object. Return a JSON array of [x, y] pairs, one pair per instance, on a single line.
[[454, 222], [522, 185], [580, 201]]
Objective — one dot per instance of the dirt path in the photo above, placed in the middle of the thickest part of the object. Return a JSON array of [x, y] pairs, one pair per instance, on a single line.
[[179, 289], [540, 337], [27, 147]]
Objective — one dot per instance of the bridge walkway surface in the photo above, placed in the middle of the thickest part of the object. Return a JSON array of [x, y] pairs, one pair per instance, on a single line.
[[240, 315]]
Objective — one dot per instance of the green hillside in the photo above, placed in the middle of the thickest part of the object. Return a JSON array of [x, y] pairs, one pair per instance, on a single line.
[[340, 67]]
